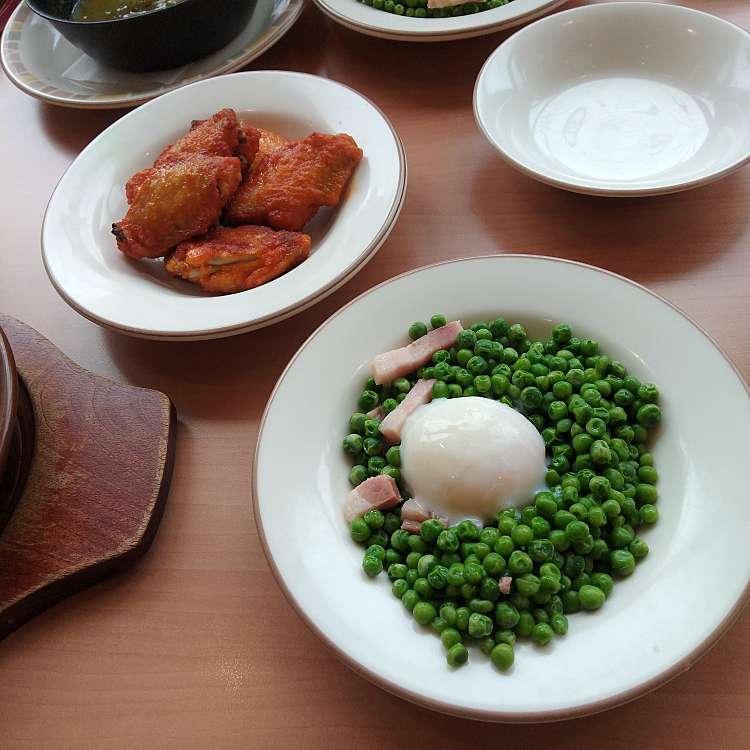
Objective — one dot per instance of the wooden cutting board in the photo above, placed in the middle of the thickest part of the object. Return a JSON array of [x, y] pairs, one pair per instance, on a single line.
[[98, 482]]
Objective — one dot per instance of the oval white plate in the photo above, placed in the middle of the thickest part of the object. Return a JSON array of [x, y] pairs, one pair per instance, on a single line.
[[360, 17], [46, 66], [655, 624], [138, 297], [620, 99]]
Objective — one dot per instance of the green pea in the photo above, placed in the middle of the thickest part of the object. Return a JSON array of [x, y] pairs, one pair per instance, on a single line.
[[430, 530], [571, 602], [473, 572], [506, 615], [457, 654], [448, 614], [448, 540], [391, 556], [456, 574], [399, 587], [462, 618], [400, 540], [591, 597], [603, 581], [622, 562], [542, 634], [373, 446], [477, 366], [525, 624], [424, 613], [504, 546], [450, 637], [559, 624], [352, 444], [502, 656], [519, 563], [621, 537], [646, 493], [438, 577], [527, 584], [638, 548], [372, 565], [648, 513], [439, 625], [416, 330], [377, 551], [480, 626], [466, 339], [417, 544], [410, 599], [505, 636], [648, 415], [521, 535], [359, 530], [440, 389]]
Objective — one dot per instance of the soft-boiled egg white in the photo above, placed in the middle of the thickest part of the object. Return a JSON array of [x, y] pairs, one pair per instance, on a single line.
[[471, 457]]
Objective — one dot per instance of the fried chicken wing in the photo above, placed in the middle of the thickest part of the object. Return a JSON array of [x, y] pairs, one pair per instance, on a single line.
[[230, 260], [175, 202], [268, 142], [219, 135], [294, 181]]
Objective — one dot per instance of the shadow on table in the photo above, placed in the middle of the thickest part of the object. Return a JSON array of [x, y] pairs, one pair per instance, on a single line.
[[642, 238], [73, 129], [226, 379]]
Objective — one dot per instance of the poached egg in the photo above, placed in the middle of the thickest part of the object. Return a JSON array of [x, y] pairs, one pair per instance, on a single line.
[[471, 457]]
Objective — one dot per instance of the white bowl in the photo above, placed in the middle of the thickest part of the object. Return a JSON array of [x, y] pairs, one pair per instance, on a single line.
[[682, 597], [620, 99], [139, 297], [368, 20]]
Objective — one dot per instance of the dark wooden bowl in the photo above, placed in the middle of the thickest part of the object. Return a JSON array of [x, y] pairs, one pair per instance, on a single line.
[[8, 403], [158, 39]]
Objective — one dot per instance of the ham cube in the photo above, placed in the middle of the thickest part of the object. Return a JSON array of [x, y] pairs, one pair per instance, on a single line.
[[388, 366], [376, 492], [393, 423], [504, 584]]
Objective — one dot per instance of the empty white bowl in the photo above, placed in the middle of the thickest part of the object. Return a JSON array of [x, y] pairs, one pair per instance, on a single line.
[[620, 99]]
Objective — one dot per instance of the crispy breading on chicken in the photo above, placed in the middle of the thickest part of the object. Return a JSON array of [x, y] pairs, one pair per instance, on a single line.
[[294, 181], [230, 260], [218, 135], [175, 202]]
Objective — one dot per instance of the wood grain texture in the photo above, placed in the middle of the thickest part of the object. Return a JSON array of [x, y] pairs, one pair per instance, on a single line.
[[196, 647], [100, 473]]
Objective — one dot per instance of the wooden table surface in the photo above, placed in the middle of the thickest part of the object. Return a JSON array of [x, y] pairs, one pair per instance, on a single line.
[[197, 647]]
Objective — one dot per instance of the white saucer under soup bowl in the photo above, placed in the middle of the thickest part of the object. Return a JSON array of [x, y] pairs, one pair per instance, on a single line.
[[620, 99]]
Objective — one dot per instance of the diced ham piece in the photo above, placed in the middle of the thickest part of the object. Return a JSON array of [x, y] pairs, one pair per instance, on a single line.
[[391, 426], [376, 413], [388, 366], [413, 527], [413, 513], [504, 584], [376, 492], [445, 3]]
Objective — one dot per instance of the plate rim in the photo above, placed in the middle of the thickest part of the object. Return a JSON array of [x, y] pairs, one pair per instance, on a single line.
[[510, 717], [286, 20], [225, 331], [437, 36], [578, 187]]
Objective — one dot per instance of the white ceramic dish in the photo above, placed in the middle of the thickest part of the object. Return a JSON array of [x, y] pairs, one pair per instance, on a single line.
[[367, 20], [620, 99], [655, 625], [43, 64], [139, 297]]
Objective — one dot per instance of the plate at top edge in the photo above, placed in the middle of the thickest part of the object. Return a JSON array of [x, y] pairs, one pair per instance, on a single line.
[[620, 99], [368, 20], [654, 625], [43, 64], [139, 297]]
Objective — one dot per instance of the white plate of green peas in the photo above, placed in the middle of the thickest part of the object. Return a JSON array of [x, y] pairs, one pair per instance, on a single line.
[[662, 613], [414, 21]]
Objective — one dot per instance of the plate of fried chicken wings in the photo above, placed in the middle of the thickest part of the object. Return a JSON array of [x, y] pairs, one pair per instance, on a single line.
[[224, 206]]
